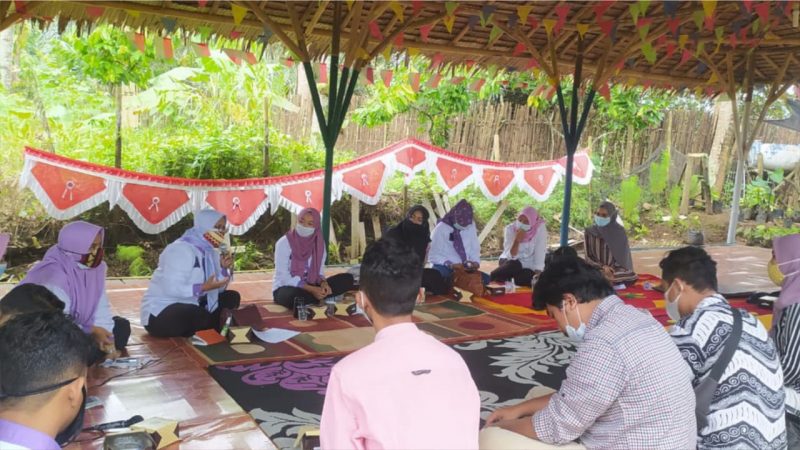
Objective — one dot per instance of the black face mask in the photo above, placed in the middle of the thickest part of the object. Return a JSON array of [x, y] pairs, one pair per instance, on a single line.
[[74, 428]]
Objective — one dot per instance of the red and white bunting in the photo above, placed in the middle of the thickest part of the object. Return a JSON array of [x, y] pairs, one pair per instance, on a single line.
[[67, 187]]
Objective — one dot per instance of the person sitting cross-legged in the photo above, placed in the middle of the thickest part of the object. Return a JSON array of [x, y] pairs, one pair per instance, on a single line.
[[618, 392], [43, 364], [406, 390]]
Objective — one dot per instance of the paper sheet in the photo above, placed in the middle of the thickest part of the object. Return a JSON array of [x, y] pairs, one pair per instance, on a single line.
[[275, 335]]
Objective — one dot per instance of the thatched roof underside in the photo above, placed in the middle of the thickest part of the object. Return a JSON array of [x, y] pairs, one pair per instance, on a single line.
[[774, 44]]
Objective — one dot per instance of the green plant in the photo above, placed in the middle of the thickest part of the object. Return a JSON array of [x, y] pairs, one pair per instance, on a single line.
[[134, 256], [674, 202], [762, 235], [334, 253], [694, 223], [630, 196], [659, 176], [249, 259]]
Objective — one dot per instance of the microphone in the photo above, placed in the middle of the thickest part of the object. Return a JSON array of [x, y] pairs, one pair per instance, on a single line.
[[118, 424]]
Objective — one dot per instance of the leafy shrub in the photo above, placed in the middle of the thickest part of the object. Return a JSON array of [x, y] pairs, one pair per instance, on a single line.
[[674, 202], [630, 196], [134, 256], [762, 235], [659, 175]]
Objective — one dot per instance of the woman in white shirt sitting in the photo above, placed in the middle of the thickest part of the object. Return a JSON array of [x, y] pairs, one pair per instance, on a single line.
[[300, 266], [188, 291], [454, 242], [524, 249]]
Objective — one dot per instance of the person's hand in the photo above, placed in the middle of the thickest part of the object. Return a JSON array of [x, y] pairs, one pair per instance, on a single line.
[[502, 414], [471, 266], [212, 283], [226, 260], [326, 288], [520, 235], [317, 291], [608, 272], [104, 339]]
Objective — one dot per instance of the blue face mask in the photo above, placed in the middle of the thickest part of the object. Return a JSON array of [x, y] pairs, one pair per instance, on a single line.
[[459, 227], [602, 221], [575, 335]]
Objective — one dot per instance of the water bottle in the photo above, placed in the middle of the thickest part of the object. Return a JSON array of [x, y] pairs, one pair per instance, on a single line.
[[510, 287], [300, 310]]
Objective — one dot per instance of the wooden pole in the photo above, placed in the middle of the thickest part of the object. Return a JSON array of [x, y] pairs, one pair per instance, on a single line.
[[501, 207]]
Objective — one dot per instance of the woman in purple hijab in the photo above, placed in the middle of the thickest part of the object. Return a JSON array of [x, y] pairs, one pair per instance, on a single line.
[[300, 266], [74, 271], [784, 271], [454, 242], [189, 289]]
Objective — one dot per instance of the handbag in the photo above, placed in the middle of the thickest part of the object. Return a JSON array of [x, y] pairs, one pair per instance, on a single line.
[[704, 392], [470, 281]]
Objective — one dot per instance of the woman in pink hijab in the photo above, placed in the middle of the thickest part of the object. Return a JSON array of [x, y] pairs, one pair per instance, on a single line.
[[300, 266], [524, 249], [784, 271]]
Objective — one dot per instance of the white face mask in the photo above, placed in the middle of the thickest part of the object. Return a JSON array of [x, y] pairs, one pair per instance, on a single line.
[[523, 226], [361, 305], [672, 306], [304, 231], [575, 335]]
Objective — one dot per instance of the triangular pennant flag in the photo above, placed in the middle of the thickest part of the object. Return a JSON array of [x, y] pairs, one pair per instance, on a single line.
[[250, 58], [634, 10], [437, 60], [20, 7], [649, 52], [434, 81], [719, 33], [233, 55], [582, 29], [523, 12], [417, 5], [236, 34], [470, 63], [238, 13], [533, 22], [362, 54], [518, 49], [398, 41], [701, 68], [756, 25], [387, 77], [682, 40], [762, 9], [670, 48], [288, 62], [486, 14], [424, 31], [412, 51], [201, 50], [562, 11], [134, 14], [713, 79], [137, 39], [643, 25], [671, 8], [662, 40], [323, 73], [698, 17], [605, 26], [495, 34], [375, 30], [456, 80], [450, 7], [95, 11], [674, 26], [415, 81], [398, 10], [512, 22], [370, 74], [600, 8], [548, 25], [551, 93], [709, 22], [532, 63], [748, 5], [202, 3], [163, 47], [350, 4], [449, 21], [169, 24], [701, 46], [604, 91], [620, 65], [733, 40], [686, 56], [643, 5], [387, 52], [477, 85], [709, 6]]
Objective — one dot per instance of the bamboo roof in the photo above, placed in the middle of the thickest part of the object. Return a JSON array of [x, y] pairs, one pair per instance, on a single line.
[[711, 47]]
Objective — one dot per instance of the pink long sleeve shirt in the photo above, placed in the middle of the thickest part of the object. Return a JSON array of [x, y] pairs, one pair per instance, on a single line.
[[406, 390]]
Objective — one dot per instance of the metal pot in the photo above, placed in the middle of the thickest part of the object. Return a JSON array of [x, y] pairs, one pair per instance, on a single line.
[[695, 237]]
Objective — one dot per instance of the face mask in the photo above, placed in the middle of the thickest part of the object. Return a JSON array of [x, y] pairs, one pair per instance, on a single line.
[[361, 306], [775, 273], [523, 226], [573, 334], [215, 238], [92, 260], [304, 231], [602, 221], [459, 227], [672, 306], [74, 428]]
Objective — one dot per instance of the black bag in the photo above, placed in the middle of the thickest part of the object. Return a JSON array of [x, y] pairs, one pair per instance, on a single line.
[[704, 392]]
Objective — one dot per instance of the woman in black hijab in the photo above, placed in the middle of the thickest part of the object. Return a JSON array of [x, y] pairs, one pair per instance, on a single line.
[[415, 232]]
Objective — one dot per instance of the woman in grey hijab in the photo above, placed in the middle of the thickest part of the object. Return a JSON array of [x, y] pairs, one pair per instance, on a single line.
[[607, 246]]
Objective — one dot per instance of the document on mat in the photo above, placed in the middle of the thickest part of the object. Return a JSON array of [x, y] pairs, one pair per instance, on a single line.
[[275, 335]]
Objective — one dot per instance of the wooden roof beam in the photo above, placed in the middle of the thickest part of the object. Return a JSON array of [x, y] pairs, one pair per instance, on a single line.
[[317, 15], [5, 6], [11, 19]]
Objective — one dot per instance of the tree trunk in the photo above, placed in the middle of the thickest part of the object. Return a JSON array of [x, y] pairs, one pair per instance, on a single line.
[[265, 170], [7, 57], [118, 152]]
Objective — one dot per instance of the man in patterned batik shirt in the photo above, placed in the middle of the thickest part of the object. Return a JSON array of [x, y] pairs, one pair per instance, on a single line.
[[621, 390], [747, 410]]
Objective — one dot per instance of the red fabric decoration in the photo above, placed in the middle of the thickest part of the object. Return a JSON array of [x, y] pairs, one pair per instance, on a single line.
[[453, 174], [387, 77], [305, 194], [417, 5], [600, 8], [762, 9], [686, 56], [370, 76], [399, 40], [154, 204], [323, 73], [606, 26], [410, 159], [66, 188], [375, 30], [496, 183], [518, 49], [238, 205], [534, 23], [366, 182], [424, 31], [604, 91], [415, 82], [95, 11], [562, 10], [581, 167], [539, 181]]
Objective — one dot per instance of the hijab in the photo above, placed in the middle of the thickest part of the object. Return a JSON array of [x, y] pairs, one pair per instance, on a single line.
[[534, 219], [462, 215], [204, 221], [60, 267], [416, 236], [787, 256], [304, 248], [614, 236]]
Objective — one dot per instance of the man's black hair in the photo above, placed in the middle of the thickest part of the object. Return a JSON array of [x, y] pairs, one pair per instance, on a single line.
[[391, 275], [692, 265], [39, 350], [565, 251], [569, 275], [29, 298]]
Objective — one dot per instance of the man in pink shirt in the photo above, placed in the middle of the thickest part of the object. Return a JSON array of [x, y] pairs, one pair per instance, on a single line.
[[406, 390]]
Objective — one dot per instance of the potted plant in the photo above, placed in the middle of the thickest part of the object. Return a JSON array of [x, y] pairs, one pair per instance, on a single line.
[[694, 234], [788, 217]]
